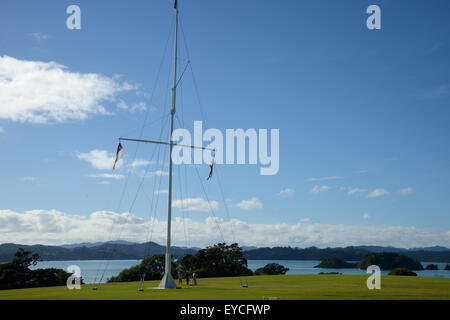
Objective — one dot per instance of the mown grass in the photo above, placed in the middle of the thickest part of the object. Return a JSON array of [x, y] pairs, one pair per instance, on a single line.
[[286, 287]]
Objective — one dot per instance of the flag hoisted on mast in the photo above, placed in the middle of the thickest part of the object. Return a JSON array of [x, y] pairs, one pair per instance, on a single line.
[[119, 154], [211, 165]]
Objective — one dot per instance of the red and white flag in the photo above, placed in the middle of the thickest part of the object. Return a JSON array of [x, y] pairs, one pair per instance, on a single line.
[[119, 154]]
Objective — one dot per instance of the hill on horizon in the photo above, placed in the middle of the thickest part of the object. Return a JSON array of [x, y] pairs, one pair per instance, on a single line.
[[104, 251], [123, 250]]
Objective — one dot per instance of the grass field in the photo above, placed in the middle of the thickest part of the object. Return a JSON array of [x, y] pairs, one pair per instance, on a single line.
[[293, 287]]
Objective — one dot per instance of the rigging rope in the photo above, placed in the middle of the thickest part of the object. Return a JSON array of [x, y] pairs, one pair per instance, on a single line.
[[136, 150]]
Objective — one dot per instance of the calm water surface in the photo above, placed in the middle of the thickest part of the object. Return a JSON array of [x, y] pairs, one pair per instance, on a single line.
[[94, 271]]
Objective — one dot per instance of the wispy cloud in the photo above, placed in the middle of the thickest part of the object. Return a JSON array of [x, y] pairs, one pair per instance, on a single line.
[[29, 178], [366, 216], [107, 176], [140, 106], [285, 193], [318, 189], [361, 171], [251, 204], [104, 182], [40, 36], [405, 191], [438, 92], [436, 47], [377, 193], [355, 190]]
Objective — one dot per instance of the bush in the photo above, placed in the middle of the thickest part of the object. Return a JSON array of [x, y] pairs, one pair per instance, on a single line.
[[431, 267], [402, 272], [151, 267]]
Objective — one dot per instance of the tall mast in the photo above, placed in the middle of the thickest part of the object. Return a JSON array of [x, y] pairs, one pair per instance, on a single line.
[[167, 282]]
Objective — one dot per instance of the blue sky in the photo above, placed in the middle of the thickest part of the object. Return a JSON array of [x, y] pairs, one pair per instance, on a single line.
[[363, 118]]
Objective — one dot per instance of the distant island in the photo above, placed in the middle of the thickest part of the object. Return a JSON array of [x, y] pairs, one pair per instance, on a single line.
[[335, 263], [123, 250], [117, 250], [385, 260], [389, 261], [353, 253]]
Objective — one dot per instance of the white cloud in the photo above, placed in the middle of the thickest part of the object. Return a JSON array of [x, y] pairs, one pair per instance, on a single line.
[[377, 193], [366, 216], [2, 130], [164, 191], [104, 160], [286, 193], [361, 171], [195, 204], [54, 227], [406, 191], [324, 178], [305, 220], [107, 176], [100, 159], [354, 190], [317, 189], [140, 163], [251, 204], [41, 92]]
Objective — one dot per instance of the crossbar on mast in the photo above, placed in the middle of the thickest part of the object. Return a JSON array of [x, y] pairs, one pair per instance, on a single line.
[[166, 143]]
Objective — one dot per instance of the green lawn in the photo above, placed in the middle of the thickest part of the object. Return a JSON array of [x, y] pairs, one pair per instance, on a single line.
[[296, 287]]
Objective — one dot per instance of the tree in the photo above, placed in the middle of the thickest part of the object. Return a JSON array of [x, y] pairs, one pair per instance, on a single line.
[[17, 274], [22, 259], [187, 263], [152, 268], [220, 260]]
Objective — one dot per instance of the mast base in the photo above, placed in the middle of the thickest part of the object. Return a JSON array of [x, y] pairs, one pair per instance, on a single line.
[[167, 282]]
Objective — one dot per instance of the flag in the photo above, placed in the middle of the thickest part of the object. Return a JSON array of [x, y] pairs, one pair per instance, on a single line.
[[119, 154], [211, 166], [176, 4]]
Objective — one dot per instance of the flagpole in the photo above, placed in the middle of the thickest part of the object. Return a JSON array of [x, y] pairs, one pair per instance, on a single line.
[[167, 281]]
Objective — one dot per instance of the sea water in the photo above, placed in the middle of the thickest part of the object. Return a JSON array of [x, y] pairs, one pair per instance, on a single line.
[[99, 271]]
